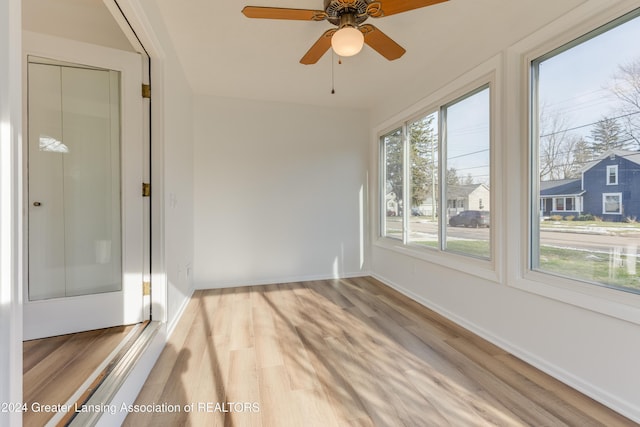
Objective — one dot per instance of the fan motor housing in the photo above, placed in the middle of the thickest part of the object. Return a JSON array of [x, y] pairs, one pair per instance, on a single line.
[[337, 8]]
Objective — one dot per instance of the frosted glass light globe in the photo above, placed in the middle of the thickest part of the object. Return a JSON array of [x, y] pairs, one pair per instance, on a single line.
[[347, 41]]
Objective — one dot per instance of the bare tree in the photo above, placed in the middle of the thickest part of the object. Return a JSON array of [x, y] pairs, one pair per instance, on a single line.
[[559, 148], [625, 86]]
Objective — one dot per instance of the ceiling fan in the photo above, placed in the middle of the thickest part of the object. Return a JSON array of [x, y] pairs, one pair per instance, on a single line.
[[348, 16]]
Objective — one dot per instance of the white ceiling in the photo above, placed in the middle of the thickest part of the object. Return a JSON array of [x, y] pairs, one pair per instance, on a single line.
[[224, 53]]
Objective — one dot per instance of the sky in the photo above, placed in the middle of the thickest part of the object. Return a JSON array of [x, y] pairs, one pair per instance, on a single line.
[[575, 83], [468, 136]]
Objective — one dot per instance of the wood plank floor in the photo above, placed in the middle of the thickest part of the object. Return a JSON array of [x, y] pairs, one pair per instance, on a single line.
[[54, 368], [348, 352]]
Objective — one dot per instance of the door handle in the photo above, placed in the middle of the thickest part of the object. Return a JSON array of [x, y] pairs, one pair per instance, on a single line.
[[36, 204]]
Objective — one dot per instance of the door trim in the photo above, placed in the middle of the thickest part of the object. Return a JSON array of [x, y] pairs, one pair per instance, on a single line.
[[137, 27], [11, 264]]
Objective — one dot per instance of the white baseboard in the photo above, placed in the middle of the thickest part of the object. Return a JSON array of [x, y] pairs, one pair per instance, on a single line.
[[626, 408], [171, 326], [272, 280]]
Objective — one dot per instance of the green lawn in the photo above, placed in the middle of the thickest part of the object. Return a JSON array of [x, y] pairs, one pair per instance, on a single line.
[[593, 267], [479, 248], [599, 268], [604, 268]]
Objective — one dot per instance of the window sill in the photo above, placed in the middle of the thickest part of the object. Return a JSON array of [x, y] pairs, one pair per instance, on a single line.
[[601, 299], [481, 268]]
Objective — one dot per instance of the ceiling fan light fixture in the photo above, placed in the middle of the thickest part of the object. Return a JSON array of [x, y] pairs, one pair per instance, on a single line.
[[347, 41]]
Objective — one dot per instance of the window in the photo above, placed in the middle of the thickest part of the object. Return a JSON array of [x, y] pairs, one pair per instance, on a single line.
[[569, 203], [461, 129], [582, 120], [467, 124], [393, 171], [612, 175], [612, 203], [423, 150], [564, 204]]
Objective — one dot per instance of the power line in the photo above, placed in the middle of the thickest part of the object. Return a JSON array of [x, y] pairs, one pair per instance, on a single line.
[[467, 154], [588, 124], [472, 167], [619, 146]]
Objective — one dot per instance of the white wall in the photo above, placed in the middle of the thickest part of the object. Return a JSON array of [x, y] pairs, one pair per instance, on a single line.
[[278, 190], [178, 192], [584, 336], [10, 208]]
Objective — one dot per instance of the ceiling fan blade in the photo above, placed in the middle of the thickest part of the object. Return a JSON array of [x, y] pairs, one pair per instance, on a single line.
[[381, 42], [391, 7], [283, 13], [319, 48]]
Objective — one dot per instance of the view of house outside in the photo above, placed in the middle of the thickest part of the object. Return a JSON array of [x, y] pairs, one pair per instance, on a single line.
[[587, 204], [586, 185], [463, 178]]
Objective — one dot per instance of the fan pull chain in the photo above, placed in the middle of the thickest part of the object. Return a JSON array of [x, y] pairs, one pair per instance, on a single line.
[[333, 57], [333, 89]]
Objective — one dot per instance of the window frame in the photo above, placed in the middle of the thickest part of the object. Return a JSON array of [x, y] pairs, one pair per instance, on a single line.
[[520, 253], [382, 167], [485, 75], [438, 208], [444, 168], [615, 174]]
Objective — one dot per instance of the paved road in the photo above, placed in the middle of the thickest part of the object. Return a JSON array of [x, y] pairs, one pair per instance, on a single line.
[[588, 241], [564, 239]]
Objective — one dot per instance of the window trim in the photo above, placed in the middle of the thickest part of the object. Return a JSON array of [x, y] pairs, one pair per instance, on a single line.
[[615, 169], [604, 198], [442, 170], [487, 74], [519, 252]]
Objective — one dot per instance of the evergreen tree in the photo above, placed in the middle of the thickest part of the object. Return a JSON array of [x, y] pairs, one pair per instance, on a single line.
[[424, 161], [453, 179], [605, 135], [394, 155], [581, 156]]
